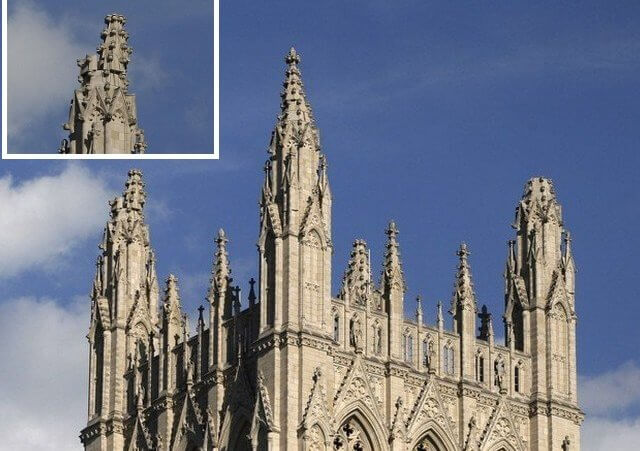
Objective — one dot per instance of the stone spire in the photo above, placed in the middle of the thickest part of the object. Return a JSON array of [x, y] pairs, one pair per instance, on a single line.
[[356, 283], [392, 274], [103, 114], [464, 308], [295, 108], [124, 302], [295, 216], [172, 306], [221, 271], [463, 293]]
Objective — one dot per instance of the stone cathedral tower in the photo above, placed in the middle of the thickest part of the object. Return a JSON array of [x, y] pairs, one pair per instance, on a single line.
[[103, 115], [289, 366]]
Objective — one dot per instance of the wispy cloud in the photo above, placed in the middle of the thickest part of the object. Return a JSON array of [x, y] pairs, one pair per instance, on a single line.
[[429, 72], [613, 391], [611, 401], [44, 368], [44, 218], [41, 67], [147, 73]]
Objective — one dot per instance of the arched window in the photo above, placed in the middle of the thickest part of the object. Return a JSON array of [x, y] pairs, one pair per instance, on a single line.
[[479, 368], [408, 347], [336, 327], [516, 379], [448, 359], [559, 346]]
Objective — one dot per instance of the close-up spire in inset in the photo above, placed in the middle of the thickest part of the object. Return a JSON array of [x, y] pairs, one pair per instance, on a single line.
[[103, 115]]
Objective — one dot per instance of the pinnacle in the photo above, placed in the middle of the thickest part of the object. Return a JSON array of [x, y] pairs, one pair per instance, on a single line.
[[392, 264], [539, 188], [134, 194], [221, 268], [294, 108], [463, 287], [171, 291], [292, 57]]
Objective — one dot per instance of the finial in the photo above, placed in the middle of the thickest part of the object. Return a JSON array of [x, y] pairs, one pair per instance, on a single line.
[[252, 292], [463, 252], [200, 314], [292, 57], [392, 229]]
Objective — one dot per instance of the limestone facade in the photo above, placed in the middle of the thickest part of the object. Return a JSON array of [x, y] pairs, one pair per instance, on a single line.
[[103, 113], [291, 367]]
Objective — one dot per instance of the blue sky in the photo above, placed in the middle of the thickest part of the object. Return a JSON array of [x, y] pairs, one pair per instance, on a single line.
[[431, 114], [173, 48]]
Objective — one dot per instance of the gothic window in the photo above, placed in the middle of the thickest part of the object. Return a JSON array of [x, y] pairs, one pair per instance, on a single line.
[[270, 263], [408, 347], [313, 278], [448, 359], [518, 329], [98, 347], [336, 327], [430, 442], [516, 379], [559, 348], [352, 435], [479, 368]]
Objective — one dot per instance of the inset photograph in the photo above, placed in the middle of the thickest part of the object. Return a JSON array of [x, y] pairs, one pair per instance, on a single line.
[[121, 79]]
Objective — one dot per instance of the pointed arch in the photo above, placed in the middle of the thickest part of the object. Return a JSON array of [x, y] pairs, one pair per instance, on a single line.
[[502, 445], [358, 417], [235, 431], [432, 438]]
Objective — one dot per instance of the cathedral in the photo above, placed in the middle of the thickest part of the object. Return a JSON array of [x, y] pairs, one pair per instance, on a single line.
[[103, 115], [291, 366]]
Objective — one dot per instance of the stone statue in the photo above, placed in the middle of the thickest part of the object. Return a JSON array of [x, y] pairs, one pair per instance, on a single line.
[[356, 334], [500, 372]]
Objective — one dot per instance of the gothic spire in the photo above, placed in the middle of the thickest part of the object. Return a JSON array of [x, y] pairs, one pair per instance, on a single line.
[[295, 108], [463, 293], [221, 271], [114, 51], [172, 306], [356, 283], [103, 114], [392, 274]]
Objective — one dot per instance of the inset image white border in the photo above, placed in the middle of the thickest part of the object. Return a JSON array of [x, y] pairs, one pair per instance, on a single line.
[[150, 156]]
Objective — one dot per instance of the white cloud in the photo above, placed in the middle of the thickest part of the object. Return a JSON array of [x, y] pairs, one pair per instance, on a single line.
[[611, 401], [612, 391], [147, 73], [43, 219], [41, 66], [600, 434], [44, 373]]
